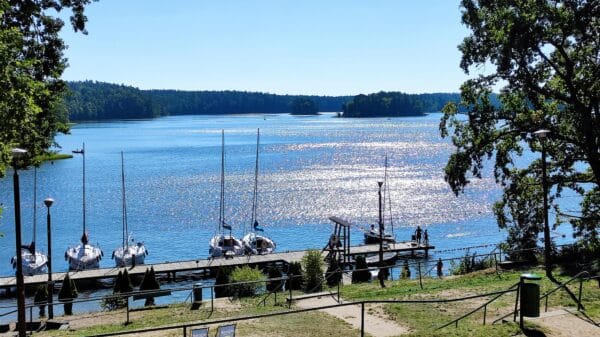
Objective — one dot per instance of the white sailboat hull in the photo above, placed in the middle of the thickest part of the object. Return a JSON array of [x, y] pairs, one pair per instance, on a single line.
[[125, 256], [372, 236], [32, 264], [258, 244], [222, 245], [83, 257]]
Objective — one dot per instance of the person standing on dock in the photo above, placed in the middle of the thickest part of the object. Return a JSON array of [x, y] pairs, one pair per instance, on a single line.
[[426, 237], [440, 268], [418, 234]]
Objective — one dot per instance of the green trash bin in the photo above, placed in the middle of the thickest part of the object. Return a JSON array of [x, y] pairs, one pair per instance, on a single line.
[[530, 295]]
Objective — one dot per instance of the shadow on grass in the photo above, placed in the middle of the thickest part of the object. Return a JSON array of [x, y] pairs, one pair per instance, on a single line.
[[531, 332]]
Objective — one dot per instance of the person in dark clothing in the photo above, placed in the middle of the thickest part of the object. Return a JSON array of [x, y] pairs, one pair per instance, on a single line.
[[440, 268], [418, 233]]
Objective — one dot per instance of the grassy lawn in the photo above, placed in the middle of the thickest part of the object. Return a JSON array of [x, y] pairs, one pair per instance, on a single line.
[[420, 319], [424, 319]]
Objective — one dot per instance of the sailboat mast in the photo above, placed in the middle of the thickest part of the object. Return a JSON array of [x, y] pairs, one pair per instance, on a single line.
[[388, 193], [222, 197], [255, 196], [83, 189], [125, 230], [34, 205]]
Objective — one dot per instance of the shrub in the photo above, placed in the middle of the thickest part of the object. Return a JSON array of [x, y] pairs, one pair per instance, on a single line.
[[67, 293], [222, 277], [360, 273], [274, 272], [149, 283], [334, 273], [246, 274], [312, 263], [40, 298], [294, 283], [470, 263]]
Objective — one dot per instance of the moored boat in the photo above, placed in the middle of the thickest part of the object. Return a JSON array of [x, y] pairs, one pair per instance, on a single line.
[[130, 253], [255, 243], [222, 244], [84, 255]]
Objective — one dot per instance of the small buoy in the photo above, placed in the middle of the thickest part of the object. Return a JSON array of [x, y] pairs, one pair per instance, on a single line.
[[113, 255]]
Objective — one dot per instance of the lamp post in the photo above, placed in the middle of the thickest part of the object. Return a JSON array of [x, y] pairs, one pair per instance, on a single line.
[[48, 202], [541, 135], [17, 154]]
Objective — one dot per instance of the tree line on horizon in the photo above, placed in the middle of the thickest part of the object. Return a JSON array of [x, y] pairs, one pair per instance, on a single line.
[[91, 100]]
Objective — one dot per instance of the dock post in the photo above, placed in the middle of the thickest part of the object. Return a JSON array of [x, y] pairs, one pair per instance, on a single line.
[[133, 261], [420, 278], [362, 319], [290, 301], [427, 251]]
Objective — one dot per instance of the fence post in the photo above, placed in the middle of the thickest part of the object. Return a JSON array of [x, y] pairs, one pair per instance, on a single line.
[[484, 313], [517, 302], [184, 331], [290, 299], [580, 289], [420, 278], [127, 299], [212, 298], [362, 319], [546, 306]]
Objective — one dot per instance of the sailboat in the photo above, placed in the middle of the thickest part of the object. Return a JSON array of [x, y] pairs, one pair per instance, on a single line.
[[255, 243], [224, 244], [372, 233], [84, 255], [130, 253], [32, 261]]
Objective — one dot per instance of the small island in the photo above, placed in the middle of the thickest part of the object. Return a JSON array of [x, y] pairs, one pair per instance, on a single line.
[[304, 106], [384, 104]]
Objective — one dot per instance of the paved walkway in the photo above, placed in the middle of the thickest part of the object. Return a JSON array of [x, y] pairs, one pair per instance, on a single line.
[[566, 323], [375, 322]]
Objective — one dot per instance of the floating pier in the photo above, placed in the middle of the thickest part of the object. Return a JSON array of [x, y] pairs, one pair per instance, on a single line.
[[206, 265]]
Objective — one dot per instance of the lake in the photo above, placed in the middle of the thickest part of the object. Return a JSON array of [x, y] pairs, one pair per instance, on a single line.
[[311, 168]]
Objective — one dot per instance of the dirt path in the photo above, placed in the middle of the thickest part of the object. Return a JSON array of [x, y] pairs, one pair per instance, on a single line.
[[564, 323], [376, 324]]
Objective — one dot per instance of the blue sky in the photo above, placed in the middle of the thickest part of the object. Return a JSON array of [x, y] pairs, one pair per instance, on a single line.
[[326, 47]]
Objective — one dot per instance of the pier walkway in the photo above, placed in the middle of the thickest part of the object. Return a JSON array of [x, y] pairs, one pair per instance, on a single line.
[[208, 264]]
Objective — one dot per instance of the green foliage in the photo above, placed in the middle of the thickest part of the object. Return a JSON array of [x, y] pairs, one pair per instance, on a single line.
[[123, 283], [304, 106], [544, 53], [274, 272], [149, 282], [394, 104], [41, 294], [360, 273], [470, 263], [295, 283], [31, 64], [333, 275], [68, 290], [312, 264], [91, 100], [223, 277], [246, 274]]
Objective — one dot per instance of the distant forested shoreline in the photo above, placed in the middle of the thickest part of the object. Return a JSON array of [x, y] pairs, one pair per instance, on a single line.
[[90, 100]]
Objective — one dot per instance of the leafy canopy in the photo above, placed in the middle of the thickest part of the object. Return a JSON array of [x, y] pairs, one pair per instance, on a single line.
[[31, 64], [545, 56]]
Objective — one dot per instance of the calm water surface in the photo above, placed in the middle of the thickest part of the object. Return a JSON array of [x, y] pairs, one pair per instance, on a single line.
[[311, 168]]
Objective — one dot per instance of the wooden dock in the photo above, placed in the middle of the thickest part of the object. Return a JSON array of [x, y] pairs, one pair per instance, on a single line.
[[208, 264]]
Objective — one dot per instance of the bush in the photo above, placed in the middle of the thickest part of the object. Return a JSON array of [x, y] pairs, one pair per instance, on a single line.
[[247, 274], [312, 263], [334, 273], [149, 283], [222, 277], [274, 272], [40, 298], [294, 283], [67, 293], [122, 285], [470, 263], [360, 273], [577, 257]]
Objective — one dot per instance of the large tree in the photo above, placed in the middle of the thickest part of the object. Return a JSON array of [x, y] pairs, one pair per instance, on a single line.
[[31, 65], [544, 55]]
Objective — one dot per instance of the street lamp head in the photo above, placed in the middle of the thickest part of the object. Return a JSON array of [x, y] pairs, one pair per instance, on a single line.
[[380, 183], [541, 133], [48, 202], [18, 153]]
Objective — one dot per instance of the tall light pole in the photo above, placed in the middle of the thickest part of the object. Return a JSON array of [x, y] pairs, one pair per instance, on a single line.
[[48, 202], [17, 154], [541, 135]]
